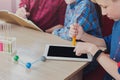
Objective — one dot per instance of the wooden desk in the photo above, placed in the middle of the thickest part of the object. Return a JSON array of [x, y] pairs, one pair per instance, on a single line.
[[30, 46]]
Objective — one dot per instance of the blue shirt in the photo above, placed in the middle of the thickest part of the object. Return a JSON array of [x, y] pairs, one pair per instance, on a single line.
[[113, 42], [84, 13], [113, 46]]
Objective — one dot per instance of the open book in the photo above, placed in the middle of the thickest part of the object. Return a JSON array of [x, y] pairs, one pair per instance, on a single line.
[[13, 18]]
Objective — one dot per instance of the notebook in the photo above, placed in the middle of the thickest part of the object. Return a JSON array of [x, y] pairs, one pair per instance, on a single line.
[[14, 19]]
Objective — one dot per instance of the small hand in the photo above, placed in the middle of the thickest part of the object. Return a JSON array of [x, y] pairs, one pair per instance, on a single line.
[[76, 30], [22, 12], [84, 47]]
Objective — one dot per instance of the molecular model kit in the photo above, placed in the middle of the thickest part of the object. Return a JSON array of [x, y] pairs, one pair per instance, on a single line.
[[8, 46]]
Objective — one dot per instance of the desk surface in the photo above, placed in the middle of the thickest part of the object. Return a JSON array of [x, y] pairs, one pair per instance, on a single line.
[[30, 46]]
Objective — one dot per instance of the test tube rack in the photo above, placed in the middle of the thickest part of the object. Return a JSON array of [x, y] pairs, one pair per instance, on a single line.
[[7, 45]]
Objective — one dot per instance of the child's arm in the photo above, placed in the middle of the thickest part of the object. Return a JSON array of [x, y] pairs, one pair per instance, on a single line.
[[92, 39], [76, 30], [104, 59], [50, 30]]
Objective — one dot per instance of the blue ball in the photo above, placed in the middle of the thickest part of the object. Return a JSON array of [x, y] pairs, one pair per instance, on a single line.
[[119, 70], [28, 65]]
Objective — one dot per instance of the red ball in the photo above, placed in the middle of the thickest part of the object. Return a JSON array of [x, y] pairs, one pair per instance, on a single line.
[[118, 64]]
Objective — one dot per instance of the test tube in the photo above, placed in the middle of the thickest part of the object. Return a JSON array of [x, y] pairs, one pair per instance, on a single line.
[[5, 30]]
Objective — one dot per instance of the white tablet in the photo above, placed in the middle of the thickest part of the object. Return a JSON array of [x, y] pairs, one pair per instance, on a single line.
[[64, 52]]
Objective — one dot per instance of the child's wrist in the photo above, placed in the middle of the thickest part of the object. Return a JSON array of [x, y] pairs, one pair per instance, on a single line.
[[97, 54], [93, 49], [82, 36]]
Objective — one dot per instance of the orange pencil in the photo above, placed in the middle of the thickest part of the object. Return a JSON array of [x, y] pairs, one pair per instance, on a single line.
[[74, 37], [74, 41]]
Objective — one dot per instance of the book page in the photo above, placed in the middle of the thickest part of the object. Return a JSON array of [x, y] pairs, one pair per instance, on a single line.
[[13, 18]]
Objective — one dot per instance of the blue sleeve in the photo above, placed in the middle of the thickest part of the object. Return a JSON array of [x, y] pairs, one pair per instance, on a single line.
[[64, 32], [88, 19], [108, 42], [82, 15]]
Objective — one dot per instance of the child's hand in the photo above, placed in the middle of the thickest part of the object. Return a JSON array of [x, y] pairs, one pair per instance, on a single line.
[[22, 12], [76, 30], [83, 47]]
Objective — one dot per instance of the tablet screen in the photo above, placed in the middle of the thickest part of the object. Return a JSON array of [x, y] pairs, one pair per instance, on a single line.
[[61, 51]]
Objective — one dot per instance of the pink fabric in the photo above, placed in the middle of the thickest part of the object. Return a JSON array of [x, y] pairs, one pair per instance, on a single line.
[[45, 13], [1, 46]]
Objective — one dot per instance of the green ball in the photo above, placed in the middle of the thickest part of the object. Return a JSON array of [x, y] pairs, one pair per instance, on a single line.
[[16, 58]]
